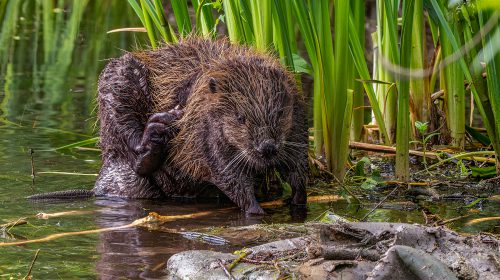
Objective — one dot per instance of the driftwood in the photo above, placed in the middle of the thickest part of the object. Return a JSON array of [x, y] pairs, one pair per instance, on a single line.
[[388, 150]]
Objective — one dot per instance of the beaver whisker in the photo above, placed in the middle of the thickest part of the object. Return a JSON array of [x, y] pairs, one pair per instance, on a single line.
[[285, 157], [240, 154], [295, 144], [242, 159]]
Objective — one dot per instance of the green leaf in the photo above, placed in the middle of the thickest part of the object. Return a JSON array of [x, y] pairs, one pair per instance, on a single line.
[[137, 10], [301, 65], [476, 201], [430, 136], [359, 168], [483, 172], [421, 126], [85, 142], [481, 138], [369, 184], [488, 4], [464, 171]]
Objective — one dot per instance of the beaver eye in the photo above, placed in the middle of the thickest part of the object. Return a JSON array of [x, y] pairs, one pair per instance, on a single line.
[[241, 119]]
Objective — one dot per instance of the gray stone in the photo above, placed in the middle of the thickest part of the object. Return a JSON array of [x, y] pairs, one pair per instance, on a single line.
[[202, 264]]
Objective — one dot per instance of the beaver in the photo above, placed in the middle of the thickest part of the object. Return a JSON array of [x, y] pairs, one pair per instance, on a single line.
[[195, 112]]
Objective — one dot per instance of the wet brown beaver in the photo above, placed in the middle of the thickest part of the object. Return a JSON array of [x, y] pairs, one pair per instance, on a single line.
[[195, 112]]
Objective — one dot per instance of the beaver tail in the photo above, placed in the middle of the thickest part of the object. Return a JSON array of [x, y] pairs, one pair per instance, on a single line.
[[68, 194]]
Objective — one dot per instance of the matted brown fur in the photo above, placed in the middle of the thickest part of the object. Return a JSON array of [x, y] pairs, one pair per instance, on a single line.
[[235, 100]]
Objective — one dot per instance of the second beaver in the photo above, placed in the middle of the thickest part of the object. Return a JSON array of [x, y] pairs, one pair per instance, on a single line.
[[195, 112]]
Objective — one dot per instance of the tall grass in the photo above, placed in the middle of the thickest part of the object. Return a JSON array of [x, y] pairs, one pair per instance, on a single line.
[[398, 92], [465, 41], [403, 123]]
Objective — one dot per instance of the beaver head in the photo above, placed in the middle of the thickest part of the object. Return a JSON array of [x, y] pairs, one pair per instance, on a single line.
[[243, 108]]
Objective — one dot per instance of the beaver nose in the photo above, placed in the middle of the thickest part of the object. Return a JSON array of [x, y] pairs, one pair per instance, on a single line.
[[267, 148]]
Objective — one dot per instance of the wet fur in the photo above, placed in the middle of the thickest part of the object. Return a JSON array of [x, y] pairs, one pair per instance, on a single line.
[[217, 85]]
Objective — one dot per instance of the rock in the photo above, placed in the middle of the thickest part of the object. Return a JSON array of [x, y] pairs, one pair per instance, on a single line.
[[327, 269], [204, 265]]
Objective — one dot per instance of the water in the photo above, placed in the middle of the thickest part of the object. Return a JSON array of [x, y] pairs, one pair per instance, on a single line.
[[47, 90]]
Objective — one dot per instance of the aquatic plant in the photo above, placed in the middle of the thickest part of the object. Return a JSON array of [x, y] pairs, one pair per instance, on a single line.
[[402, 81]]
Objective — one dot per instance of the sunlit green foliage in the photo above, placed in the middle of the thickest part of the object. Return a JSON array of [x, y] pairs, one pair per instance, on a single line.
[[301, 32], [401, 90]]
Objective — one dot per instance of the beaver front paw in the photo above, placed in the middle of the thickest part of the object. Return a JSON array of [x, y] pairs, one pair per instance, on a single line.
[[152, 150]]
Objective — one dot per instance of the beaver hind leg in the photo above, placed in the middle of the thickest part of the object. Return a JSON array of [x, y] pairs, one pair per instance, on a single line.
[[131, 139], [119, 179]]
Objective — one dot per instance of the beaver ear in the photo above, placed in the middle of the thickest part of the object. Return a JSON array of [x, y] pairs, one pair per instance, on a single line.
[[212, 84]]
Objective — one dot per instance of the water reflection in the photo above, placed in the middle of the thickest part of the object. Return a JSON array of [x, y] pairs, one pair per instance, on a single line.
[[141, 253]]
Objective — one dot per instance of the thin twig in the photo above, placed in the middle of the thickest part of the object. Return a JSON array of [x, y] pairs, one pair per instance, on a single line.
[[31, 266], [343, 186], [20, 221], [151, 219], [31, 151], [238, 259], [380, 203], [469, 155], [228, 274], [412, 183], [388, 150], [426, 218], [452, 220]]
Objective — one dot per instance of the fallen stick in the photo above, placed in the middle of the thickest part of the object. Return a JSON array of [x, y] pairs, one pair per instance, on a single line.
[[480, 220], [411, 183], [238, 259], [310, 199], [151, 219], [13, 224], [46, 216], [228, 274], [380, 203], [31, 266], [388, 150], [431, 155]]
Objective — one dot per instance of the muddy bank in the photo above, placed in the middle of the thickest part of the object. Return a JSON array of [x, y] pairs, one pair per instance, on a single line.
[[344, 250]]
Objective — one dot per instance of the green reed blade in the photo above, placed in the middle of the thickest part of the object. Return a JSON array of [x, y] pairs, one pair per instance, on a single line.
[[485, 111], [204, 18], [361, 66], [137, 9], [343, 73], [419, 87], [358, 114], [147, 23], [261, 12], [85, 142], [283, 40], [493, 78], [403, 124], [181, 15], [302, 15]]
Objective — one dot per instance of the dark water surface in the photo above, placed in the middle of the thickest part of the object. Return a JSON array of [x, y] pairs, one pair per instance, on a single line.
[[47, 90]]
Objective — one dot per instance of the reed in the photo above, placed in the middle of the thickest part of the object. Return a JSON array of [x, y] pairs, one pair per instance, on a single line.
[[398, 95]]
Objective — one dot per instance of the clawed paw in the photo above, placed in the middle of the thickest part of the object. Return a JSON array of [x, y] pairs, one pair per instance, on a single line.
[[160, 128]]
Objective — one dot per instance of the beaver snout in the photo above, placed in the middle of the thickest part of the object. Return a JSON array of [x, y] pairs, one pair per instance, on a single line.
[[267, 148]]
